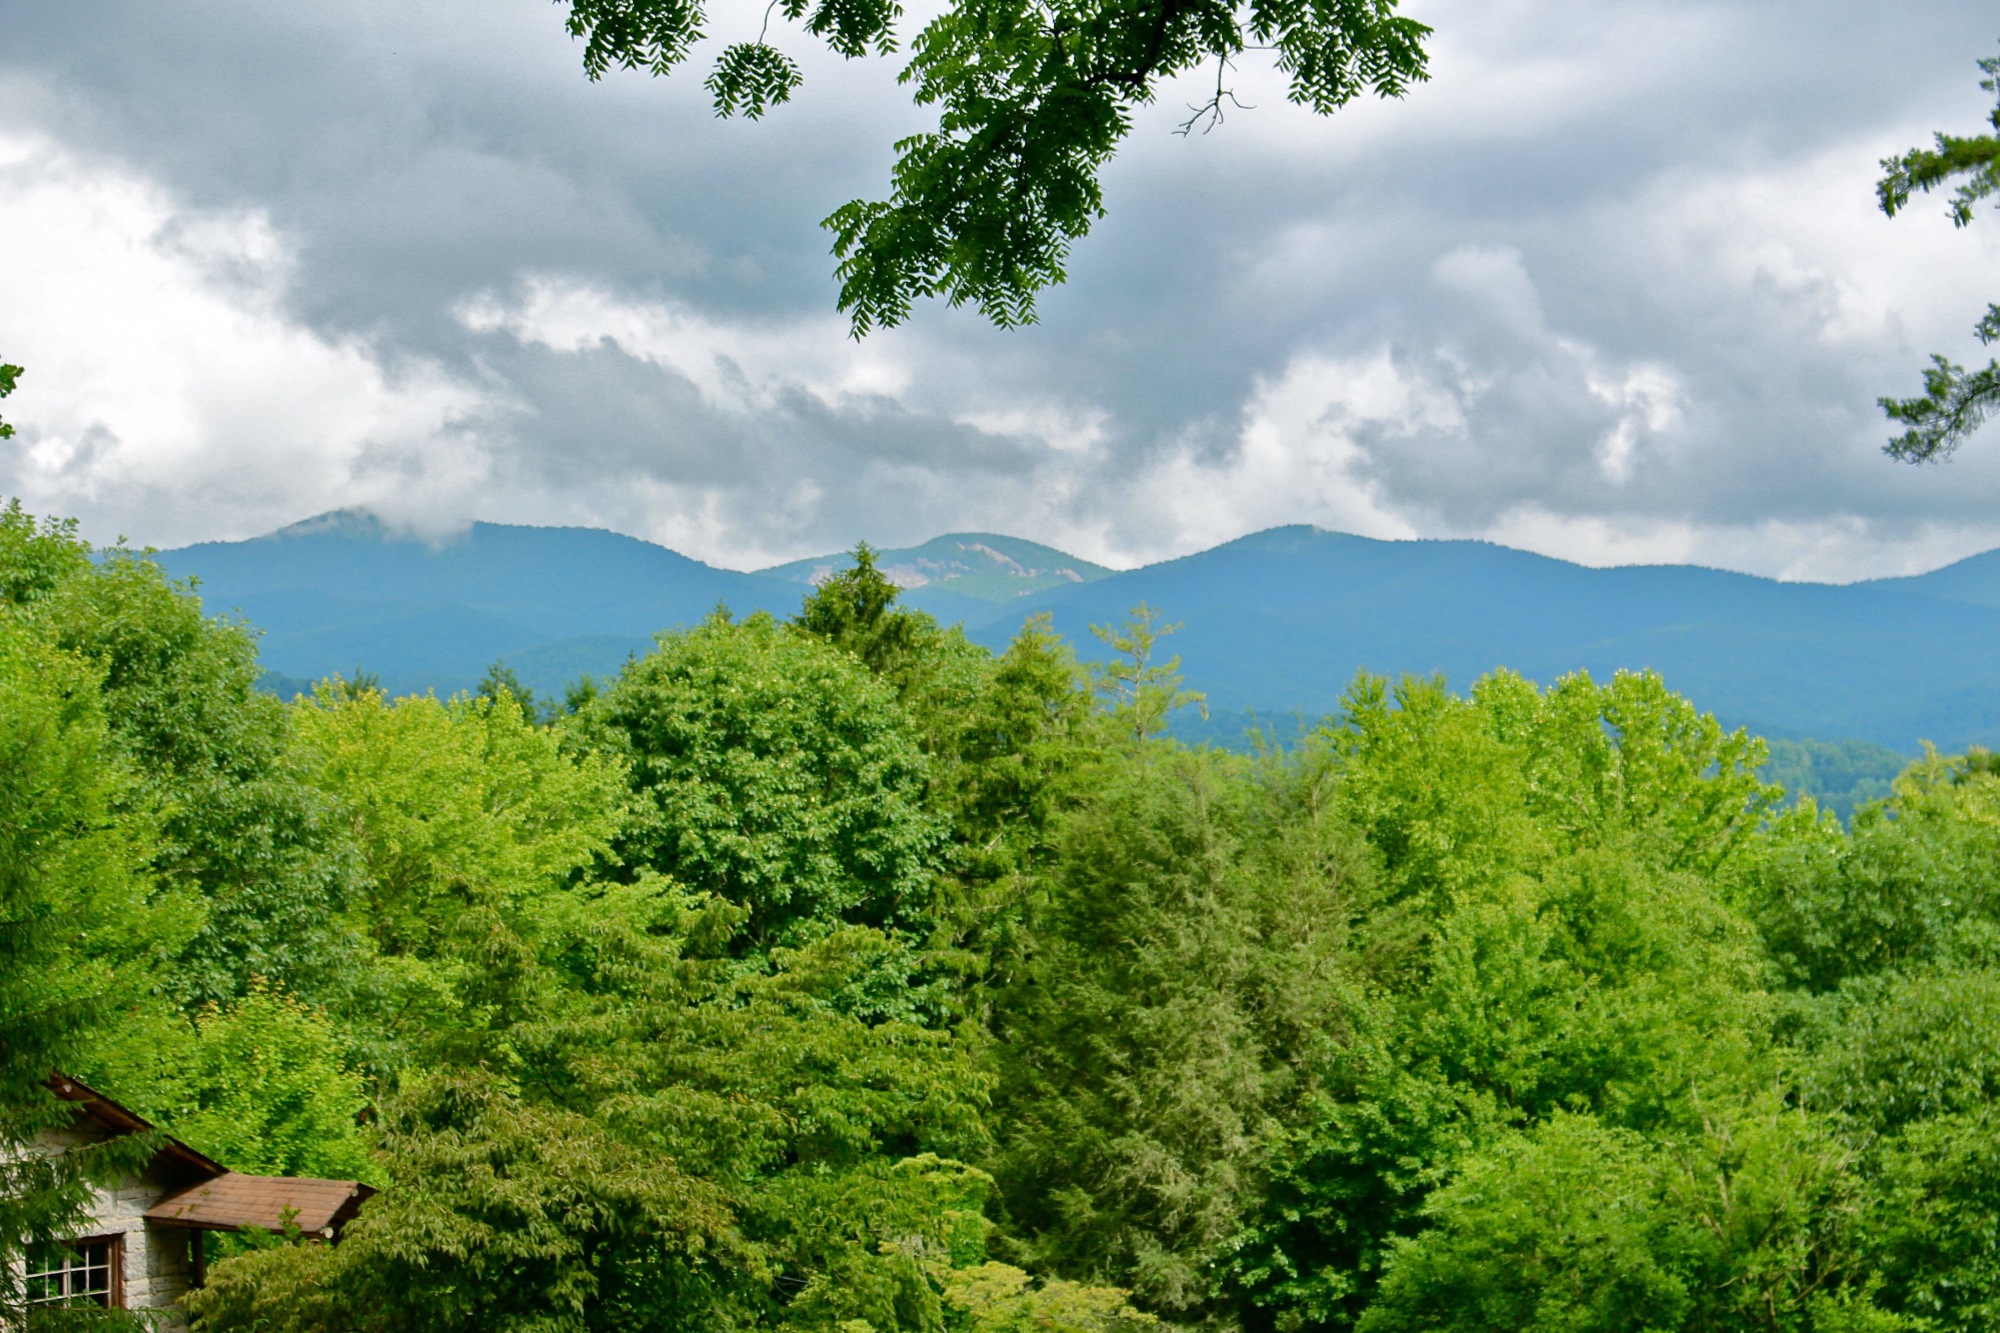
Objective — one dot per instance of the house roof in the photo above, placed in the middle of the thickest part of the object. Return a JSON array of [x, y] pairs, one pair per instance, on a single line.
[[233, 1200], [94, 1106], [221, 1199]]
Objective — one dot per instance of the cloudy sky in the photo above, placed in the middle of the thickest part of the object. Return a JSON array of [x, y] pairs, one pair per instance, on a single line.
[[1610, 287]]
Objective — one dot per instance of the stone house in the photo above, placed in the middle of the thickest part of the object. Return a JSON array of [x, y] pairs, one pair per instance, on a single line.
[[143, 1246]]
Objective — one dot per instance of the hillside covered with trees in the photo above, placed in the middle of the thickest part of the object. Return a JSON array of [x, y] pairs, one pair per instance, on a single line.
[[833, 973], [1275, 624]]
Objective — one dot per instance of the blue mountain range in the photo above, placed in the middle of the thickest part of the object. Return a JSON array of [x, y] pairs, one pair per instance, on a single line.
[[1276, 623]]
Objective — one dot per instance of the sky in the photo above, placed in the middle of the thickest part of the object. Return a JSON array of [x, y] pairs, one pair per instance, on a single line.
[[1612, 286]]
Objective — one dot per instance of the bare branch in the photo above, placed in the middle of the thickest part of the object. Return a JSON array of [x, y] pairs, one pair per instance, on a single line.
[[1211, 110]]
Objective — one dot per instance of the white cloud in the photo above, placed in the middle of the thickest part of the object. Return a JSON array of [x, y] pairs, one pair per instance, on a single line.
[[1294, 455], [1837, 550], [168, 392], [1611, 287], [1797, 249], [1494, 277], [739, 366], [1647, 398]]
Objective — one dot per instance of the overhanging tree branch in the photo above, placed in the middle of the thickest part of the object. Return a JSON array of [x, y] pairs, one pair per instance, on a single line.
[[1033, 98], [1956, 402]]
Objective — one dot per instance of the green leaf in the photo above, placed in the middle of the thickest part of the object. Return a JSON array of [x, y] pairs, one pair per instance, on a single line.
[[751, 77]]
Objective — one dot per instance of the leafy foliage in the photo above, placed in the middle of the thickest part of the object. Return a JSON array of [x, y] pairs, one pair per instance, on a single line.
[[235, 825], [997, 1298], [1840, 776], [1544, 941], [752, 77], [1143, 693], [508, 1218], [79, 925], [1955, 401], [1033, 100], [261, 1083], [1189, 964], [498, 682], [1579, 1226], [1929, 1228], [1913, 888], [775, 772], [10, 377], [835, 976]]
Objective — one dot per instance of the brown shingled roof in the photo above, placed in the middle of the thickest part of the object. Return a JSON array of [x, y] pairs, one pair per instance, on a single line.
[[233, 1200]]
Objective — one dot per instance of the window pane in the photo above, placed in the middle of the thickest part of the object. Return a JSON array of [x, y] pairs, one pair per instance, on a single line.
[[75, 1274]]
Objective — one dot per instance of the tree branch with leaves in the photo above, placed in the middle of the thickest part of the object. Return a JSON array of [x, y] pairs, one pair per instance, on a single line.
[[1955, 401], [9, 377], [1034, 97]]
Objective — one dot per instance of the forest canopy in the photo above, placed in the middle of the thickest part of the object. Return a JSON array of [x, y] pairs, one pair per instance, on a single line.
[[836, 974]]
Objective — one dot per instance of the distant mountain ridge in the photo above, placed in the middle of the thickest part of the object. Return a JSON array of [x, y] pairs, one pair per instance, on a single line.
[[946, 574], [1974, 580], [1280, 621], [342, 591], [1276, 623]]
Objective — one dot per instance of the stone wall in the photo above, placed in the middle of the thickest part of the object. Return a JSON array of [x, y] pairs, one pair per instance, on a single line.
[[158, 1266], [157, 1263]]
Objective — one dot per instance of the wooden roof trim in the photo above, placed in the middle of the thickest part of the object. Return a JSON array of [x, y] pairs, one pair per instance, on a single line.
[[108, 1114]]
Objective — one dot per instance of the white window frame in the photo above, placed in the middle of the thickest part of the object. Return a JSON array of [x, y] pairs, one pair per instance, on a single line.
[[73, 1273]]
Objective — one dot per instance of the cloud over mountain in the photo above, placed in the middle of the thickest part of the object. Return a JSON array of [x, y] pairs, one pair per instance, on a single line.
[[1611, 286]]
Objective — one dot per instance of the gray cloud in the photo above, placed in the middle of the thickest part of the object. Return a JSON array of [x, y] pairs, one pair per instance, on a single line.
[[1610, 286]]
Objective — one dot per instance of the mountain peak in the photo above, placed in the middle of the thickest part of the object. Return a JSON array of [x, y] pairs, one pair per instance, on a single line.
[[982, 566], [358, 524]]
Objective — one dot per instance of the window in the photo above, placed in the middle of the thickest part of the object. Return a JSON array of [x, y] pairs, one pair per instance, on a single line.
[[79, 1272]]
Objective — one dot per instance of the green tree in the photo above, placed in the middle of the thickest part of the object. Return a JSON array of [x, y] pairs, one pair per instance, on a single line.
[[1560, 1229], [1187, 963], [498, 1216], [999, 1298], [1576, 1226], [1895, 1050], [1033, 101], [1915, 886], [36, 557], [466, 817], [1437, 791], [1142, 693], [1911, 1063], [501, 682], [1007, 739], [1955, 401], [1594, 985], [261, 1084], [937, 674], [835, 1135], [775, 771], [1631, 763], [81, 926], [1930, 1229], [1548, 935], [1840, 776], [1016, 755], [856, 610], [685, 1146], [209, 751], [1341, 1185]]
